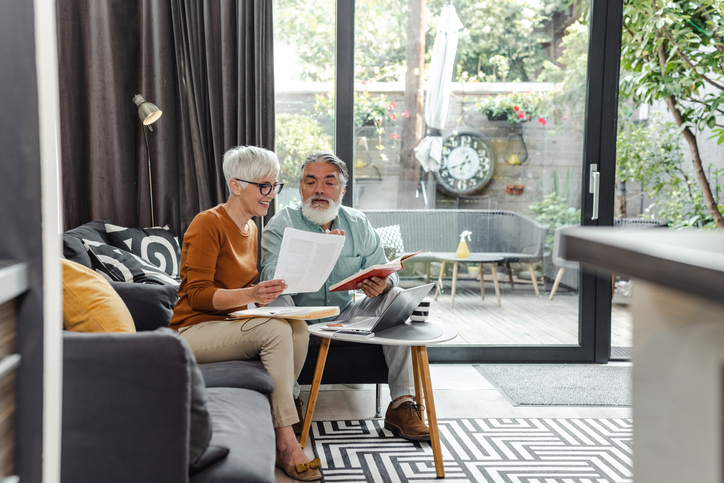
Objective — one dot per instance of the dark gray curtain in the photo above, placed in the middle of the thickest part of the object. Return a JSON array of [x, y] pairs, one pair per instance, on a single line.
[[207, 65]]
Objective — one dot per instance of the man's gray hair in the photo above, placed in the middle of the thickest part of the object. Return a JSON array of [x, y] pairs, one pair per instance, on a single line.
[[326, 157], [249, 163]]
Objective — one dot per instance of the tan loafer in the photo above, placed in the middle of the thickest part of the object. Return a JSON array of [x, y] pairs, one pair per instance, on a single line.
[[405, 423], [301, 471]]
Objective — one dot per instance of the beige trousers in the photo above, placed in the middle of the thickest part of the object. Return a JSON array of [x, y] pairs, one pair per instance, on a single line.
[[280, 344]]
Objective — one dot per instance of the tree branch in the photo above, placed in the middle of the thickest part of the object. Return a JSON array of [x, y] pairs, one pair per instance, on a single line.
[[715, 32], [686, 59], [718, 109]]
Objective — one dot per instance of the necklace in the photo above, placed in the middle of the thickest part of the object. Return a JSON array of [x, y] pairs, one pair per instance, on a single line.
[[244, 230]]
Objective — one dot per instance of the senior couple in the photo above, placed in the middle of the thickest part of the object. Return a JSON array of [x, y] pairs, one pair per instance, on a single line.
[[219, 268]]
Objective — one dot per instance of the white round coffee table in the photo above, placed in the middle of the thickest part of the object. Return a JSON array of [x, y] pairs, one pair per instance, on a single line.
[[417, 335]]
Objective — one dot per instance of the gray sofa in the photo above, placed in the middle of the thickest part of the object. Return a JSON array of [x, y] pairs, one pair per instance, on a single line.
[[137, 408]]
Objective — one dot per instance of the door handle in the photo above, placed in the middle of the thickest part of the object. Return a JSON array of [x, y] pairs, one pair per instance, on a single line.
[[594, 185]]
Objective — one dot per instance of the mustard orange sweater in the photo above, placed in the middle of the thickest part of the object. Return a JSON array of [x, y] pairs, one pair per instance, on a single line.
[[215, 255]]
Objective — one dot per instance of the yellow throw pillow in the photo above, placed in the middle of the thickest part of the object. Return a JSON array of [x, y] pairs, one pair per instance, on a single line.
[[90, 304]]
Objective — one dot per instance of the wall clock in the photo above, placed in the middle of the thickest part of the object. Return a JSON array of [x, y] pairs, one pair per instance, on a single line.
[[467, 163]]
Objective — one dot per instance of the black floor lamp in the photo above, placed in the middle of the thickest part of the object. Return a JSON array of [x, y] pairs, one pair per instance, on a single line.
[[149, 114]]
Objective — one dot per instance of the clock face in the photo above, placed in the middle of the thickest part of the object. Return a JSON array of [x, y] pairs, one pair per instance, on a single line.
[[467, 163]]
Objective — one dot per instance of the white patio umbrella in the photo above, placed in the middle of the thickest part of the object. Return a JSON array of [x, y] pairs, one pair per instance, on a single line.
[[429, 151]]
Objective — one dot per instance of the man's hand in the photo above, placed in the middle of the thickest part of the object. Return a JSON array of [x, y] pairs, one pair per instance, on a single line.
[[265, 292], [374, 286], [335, 232]]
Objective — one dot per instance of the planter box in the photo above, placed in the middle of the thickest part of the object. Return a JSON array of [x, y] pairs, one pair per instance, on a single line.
[[499, 117]]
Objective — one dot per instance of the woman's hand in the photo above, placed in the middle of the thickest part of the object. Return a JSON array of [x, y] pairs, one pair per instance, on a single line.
[[265, 292]]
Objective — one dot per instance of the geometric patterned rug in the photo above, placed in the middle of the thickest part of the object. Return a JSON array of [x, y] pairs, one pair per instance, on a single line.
[[475, 450]]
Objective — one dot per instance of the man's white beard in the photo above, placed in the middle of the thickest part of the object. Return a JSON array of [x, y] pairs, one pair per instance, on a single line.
[[318, 215]]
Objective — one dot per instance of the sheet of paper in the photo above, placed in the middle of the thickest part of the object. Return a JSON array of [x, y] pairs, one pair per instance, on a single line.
[[306, 259]]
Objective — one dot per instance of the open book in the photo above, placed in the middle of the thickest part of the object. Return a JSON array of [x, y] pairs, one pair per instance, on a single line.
[[306, 313], [381, 270]]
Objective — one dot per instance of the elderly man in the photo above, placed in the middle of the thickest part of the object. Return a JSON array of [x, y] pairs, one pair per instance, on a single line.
[[323, 180]]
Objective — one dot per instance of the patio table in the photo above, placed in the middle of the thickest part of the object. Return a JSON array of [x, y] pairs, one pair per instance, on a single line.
[[480, 259]]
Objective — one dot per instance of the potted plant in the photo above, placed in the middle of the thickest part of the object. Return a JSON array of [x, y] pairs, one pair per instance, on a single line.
[[514, 107]]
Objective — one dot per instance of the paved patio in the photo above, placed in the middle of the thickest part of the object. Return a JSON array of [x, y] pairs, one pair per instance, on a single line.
[[523, 317]]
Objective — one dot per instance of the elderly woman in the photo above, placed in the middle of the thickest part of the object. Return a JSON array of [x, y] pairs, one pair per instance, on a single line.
[[218, 270]]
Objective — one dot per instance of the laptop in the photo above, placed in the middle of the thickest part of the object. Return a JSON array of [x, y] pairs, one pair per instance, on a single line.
[[396, 314]]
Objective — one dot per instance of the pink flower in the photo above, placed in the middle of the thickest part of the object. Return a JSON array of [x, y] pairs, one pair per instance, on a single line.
[[565, 118], [392, 105], [363, 82], [516, 108], [406, 114], [542, 121], [393, 117], [521, 115], [395, 136]]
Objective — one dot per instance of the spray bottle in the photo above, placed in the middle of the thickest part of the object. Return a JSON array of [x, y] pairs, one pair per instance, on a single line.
[[462, 251]]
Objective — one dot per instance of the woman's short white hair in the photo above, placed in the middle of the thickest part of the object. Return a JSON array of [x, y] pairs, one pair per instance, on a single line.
[[249, 163]]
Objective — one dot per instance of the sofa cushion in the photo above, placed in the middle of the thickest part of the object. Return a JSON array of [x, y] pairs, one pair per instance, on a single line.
[[242, 422], [73, 248], [124, 266], [90, 304], [151, 306], [158, 245], [242, 374]]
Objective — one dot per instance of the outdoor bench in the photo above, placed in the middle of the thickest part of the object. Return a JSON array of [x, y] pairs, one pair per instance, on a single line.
[[514, 237]]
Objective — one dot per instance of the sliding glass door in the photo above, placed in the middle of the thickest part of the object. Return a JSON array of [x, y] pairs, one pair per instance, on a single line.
[[519, 135]]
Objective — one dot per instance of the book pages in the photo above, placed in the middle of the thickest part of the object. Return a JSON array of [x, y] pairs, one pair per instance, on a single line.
[[306, 259]]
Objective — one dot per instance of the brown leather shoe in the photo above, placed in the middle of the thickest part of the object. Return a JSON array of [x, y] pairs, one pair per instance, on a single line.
[[405, 423], [297, 427]]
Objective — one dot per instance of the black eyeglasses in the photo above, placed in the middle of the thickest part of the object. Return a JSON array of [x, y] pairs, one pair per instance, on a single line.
[[265, 188]]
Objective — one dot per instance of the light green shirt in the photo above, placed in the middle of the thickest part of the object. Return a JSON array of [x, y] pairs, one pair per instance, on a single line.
[[362, 249]]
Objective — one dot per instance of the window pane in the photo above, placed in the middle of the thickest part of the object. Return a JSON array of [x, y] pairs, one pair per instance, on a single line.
[[304, 39], [511, 144]]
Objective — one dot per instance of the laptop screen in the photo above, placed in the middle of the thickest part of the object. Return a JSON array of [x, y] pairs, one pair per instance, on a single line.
[[402, 307]]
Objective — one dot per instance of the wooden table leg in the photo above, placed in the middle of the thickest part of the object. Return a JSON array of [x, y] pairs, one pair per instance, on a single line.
[[419, 396], [531, 270], [454, 283], [439, 280], [495, 282], [318, 371], [431, 416], [482, 277]]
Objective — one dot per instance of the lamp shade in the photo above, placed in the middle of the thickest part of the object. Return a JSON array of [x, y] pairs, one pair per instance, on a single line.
[[148, 112]]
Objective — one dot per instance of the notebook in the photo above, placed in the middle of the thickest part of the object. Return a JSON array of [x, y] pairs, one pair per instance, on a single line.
[[396, 314]]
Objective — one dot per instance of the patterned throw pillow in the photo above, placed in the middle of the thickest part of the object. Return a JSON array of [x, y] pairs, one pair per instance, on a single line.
[[391, 240], [158, 246], [122, 266]]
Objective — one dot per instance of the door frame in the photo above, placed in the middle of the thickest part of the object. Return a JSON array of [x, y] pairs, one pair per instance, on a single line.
[[604, 52]]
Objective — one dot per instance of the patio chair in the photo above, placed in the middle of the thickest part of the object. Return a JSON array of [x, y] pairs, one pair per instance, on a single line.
[[558, 260]]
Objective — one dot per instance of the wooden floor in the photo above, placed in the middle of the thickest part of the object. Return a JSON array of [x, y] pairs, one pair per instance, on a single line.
[[523, 318]]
